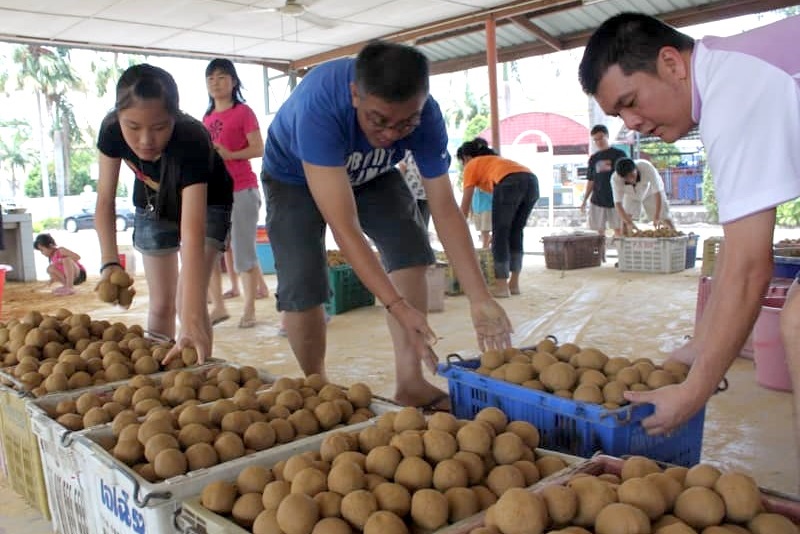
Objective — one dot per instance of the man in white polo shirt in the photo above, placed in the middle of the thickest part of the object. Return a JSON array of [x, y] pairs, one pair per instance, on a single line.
[[743, 92], [637, 187]]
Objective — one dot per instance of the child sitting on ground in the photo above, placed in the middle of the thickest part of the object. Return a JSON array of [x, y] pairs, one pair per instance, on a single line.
[[64, 266]]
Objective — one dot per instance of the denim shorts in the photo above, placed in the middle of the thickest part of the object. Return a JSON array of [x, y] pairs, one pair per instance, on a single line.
[[155, 237], [387, 212]]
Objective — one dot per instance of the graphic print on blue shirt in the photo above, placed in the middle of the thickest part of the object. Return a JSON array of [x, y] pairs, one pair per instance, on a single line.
[[318, 125], [364, 167]]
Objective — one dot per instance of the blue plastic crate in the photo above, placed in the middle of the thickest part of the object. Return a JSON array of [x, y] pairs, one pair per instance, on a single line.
[[265, 258], [568, 426], [785, 266]]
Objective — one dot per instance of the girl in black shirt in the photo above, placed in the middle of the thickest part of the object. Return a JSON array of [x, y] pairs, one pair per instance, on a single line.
[[183, 196]]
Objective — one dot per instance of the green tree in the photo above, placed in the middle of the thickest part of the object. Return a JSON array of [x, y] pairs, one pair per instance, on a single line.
[[663, 155], [50, 75], [15, 155], [789, 213], [80, 175], [107, 69], [475, 126]]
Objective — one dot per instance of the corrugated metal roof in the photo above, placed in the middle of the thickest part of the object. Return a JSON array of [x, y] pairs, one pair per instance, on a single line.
[[451, 32]]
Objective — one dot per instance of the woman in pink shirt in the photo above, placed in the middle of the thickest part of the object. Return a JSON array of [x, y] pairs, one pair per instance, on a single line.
[[236, 136]]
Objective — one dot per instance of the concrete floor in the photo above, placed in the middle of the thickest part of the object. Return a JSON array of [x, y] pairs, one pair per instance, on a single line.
[[628, 314]]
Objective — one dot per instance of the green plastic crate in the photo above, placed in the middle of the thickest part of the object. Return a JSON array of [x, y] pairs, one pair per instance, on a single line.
[[348, 291]]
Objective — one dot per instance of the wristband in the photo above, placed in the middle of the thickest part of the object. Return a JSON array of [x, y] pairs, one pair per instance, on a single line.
[[398, 300], [109, 264]]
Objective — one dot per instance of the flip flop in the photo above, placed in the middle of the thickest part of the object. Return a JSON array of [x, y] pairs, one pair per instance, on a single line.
[[440, 403], [220, 319]]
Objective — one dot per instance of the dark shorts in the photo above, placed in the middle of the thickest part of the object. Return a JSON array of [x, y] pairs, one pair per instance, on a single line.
[[388, 215], [80, 277], [154, 237]]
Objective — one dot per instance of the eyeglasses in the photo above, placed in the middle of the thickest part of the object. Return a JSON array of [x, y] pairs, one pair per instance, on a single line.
[[403, 127]]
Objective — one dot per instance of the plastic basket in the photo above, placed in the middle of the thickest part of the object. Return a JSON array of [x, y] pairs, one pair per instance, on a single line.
[[122, 502], [266, 259], [573, 251], [691, 251], [652, 254], [437, 280], [485, 261], [195, 518], [65, 494], [569, 426], [348, 291], [261, 234], [21, 449], [711, 248], [777, 287], [786, 266]]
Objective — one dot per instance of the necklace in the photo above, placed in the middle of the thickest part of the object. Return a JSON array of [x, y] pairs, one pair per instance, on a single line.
[[150, 206], [150, 185]]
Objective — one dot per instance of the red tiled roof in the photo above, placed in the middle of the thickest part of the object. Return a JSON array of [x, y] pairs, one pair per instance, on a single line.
[[568, 136]]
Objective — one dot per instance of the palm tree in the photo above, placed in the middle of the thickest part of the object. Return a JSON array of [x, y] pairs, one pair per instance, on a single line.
[[15, 155], [49, 74], [107, 72]]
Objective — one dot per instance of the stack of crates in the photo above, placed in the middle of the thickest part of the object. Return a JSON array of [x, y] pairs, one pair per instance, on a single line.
[[485, 262], [711, 247], [348, 291]]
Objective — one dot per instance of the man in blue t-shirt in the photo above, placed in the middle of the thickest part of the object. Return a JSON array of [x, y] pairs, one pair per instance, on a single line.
[[330, 158]]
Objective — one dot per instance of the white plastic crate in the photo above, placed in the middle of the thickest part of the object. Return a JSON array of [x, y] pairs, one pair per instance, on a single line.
[[122, 502], [65, 494], [60, 466], [195, 518], [652, 254]]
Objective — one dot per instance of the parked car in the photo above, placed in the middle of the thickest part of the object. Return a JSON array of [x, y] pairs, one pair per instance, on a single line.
[[85, 219]]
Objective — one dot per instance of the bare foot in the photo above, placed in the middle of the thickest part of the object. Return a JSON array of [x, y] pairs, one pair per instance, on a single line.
[[229, 294], [424, 395], [217, 316], [63, 291], [500, 292]]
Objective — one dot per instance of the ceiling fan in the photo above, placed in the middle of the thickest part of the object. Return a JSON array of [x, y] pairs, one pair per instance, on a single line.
[[293, 8]]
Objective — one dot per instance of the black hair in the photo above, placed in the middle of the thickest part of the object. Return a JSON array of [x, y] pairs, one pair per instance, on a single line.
[[391, 71], [630, 40], [147, 82], [44, 241], [599, 128], [473, 149], [625, 166], [227, 67]]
